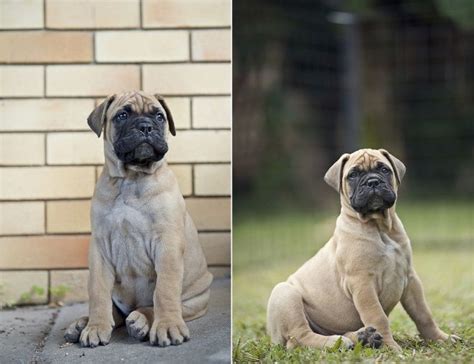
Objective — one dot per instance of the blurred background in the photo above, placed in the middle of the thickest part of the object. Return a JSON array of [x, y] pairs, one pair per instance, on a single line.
[[315, 79]]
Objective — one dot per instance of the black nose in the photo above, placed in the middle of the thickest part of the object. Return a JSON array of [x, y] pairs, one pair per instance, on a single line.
[[373, 182], [145, 127]]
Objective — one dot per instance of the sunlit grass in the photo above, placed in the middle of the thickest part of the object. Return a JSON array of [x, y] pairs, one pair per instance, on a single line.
[[267, 249]]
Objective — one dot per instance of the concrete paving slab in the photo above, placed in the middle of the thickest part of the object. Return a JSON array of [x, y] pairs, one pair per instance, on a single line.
[[22, 333], [210, 337]]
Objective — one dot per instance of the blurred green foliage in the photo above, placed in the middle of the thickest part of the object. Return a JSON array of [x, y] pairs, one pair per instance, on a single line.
[[460, 11]]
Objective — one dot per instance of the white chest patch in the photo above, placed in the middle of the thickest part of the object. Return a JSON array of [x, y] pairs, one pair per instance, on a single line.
[[394, 270]]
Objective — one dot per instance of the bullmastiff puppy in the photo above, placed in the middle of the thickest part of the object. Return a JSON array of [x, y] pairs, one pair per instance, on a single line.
[[147, 268], [347, 290]]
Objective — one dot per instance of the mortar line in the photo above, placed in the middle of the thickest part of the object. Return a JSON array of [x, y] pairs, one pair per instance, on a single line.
[[44, 14], [140, 73], [45, 208], [190, 45], [49, 286], [191, 106], [193, 188], [140, 14]]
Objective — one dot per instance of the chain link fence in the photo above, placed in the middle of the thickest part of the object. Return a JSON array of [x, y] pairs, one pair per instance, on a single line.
[[314, 79]]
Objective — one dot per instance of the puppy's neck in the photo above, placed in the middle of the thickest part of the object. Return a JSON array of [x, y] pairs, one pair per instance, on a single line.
[[383, 219]]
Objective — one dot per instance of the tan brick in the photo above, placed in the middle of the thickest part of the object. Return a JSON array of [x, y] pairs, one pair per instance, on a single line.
[[21, 218], [211, 45], [91, 80], [46, 182], [21, 14], [212, 112], [200, 146], [212, 179], [75, 148], [42, 47], [92, 14], [44, 252], [17, 149], [68, 216], [185, 13], [199, 79], [15, 284], [21, 81], [45, 114], [180, 109], [75, 283], [142, 46], [216, 248], [210, 213], [185, 180]]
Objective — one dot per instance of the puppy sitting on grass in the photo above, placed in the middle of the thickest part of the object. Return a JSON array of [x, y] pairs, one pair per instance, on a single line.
[[347, 290]]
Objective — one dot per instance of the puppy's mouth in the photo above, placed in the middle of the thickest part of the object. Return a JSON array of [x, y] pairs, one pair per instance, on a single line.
[[145, 154], [373, 201], [140, 151]]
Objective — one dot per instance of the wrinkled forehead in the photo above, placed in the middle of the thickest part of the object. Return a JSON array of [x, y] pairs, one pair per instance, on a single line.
[[139, 102], [367, 159]]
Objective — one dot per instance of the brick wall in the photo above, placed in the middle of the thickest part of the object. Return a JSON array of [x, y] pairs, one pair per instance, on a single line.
[[59, 58]]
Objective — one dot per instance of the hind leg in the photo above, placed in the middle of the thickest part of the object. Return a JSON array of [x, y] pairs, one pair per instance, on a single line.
[[196, 306], [287, 323], [73, 332]]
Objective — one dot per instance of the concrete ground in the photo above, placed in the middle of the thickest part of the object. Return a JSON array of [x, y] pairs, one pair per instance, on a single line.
[[35, 335]]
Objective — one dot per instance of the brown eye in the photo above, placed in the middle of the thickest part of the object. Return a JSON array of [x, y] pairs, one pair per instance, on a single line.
[[122, 116], [385, 170], [160, 117], [353, 174]]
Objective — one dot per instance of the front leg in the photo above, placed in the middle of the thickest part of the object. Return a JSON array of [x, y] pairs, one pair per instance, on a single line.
[[414, 303], [168, 324], [101, 282], [370, 310]]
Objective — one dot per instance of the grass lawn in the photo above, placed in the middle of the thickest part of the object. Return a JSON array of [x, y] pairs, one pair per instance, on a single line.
[[266, 250]]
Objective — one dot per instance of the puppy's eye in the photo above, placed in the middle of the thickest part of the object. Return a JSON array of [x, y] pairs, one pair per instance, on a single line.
[[353, 174], [122, 116], [385, 170], [160, 117]]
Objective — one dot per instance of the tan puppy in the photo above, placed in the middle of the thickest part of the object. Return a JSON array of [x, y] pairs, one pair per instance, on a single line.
[[350, 286], [145, 260]]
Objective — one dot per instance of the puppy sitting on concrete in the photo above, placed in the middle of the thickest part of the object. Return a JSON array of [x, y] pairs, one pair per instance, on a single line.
[[347, 290], [147, 268]]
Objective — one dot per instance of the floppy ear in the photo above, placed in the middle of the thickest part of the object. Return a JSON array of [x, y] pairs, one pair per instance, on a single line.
[[161, 100], [397, 165], [96, 119], [333, 176]]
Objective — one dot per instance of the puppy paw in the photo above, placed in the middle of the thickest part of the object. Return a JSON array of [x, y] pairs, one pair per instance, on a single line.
[[454, 338], [392, 345], [96, 334], [333, 339], [168, 332], [442, 336], [73, 332], [368, 336], [137, 325]]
